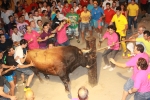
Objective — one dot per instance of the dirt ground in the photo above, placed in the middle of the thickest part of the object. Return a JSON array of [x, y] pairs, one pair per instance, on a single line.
[[109, 87]]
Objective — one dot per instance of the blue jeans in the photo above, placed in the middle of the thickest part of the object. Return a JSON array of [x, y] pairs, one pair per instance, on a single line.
[[67, 43], [142, 96], [131, 20], [2, 98]]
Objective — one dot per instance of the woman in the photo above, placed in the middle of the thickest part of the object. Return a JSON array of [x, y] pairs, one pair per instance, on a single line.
[[123, 10], [141, 86]]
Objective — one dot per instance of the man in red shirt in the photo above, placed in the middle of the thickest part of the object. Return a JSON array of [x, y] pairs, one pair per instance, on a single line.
[[66, 8], [84, 2], [33, 4], [80, 9], [108, 14]]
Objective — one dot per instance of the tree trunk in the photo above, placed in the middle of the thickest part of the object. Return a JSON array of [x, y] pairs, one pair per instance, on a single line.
[[92, 72]]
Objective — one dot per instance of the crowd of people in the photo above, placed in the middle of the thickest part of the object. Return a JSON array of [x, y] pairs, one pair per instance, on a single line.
[[45, 24]]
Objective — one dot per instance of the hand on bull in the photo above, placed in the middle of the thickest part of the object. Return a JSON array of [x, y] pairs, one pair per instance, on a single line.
[[31, 63]]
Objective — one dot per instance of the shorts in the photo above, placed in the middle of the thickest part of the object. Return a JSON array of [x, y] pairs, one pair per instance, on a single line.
[[10, 77], [129, 84], [75, 31], [85, 26], [2, 98], [26, 71], [96, 23], [142, 96]]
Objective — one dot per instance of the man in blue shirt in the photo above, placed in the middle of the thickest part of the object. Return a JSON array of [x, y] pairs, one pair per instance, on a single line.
[[97, 15]]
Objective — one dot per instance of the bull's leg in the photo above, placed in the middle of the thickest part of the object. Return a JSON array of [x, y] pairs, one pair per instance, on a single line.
[[65, 81], [46, 76], [36, 71]]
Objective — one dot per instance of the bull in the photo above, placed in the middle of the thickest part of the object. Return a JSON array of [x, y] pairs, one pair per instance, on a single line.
[[59, 61]]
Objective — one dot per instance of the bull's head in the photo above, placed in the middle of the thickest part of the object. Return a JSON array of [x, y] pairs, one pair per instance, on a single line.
[[89, 58]]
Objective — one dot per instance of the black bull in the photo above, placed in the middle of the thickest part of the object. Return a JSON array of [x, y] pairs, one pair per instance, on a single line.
[[59, 61]]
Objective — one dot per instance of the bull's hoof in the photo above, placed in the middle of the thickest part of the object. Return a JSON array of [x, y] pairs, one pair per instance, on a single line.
[[47, 77], [67, 91]]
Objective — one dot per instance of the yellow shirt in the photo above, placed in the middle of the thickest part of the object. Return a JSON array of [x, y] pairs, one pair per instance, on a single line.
[[120, 23], [133, 9], [85, 17]]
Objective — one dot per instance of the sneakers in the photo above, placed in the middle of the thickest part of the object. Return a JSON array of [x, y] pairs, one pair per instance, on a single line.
[[111, 69], [26, 88], [106, 66]]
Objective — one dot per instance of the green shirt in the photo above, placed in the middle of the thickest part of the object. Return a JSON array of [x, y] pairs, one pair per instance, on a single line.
[[73, 17], [146, 44]]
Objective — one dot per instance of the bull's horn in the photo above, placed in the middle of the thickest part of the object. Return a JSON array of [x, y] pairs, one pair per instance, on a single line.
[[87, 66]]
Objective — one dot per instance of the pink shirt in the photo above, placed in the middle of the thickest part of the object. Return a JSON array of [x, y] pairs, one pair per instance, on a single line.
[[34, 43], [132, 62], [112, 38], [61, 35], [142, 81]]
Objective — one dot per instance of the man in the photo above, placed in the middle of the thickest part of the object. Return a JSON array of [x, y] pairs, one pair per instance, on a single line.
[[121, 25], [33, 26], [141, 86], [75, 7], [114, 6], [45, 17], [36, 16], [80, 9], [97, 14], [73, 28], [108, 14], [140, 34], [132, 11], [3, 95], [113, 46], [4, 43], [5, 17], [145, 40], [29, 95], [104, 6], [139, 52], [10, 61], [16, 36], [66, 8], [84, 2], [32, 38], [90, 6], [11, 23], [85, 23], [22, 25]]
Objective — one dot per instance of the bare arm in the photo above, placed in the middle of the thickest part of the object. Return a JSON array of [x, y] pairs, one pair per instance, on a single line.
[[4, 94], [122, 65], [6, 71], [25, 66], [133, 90]]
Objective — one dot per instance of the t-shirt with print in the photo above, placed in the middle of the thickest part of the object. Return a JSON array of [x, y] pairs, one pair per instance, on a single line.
[[146, 44], [10, 61], [73, 19], [22, 27]]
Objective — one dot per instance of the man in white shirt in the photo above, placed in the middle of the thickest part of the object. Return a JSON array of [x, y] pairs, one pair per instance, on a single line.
[[107, 1], [75, 7], [36, 17], [16, 36]]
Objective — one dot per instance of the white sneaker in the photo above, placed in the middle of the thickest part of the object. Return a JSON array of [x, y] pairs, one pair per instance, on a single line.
[[106, 66], [111, 69]]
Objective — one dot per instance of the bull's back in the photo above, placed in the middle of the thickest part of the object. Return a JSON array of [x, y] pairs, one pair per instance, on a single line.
[[46, 61]]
